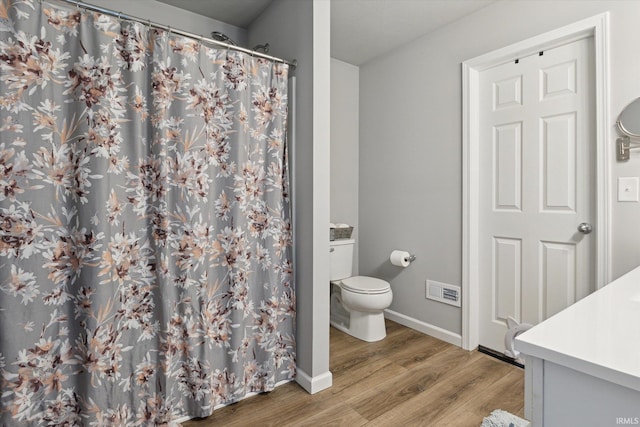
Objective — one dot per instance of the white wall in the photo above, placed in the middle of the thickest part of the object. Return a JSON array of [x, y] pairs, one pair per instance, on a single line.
[[344, 147], [300, 30], [411, 144]]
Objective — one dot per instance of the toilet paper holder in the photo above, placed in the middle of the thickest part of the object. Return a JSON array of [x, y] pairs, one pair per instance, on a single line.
[[401, 258]]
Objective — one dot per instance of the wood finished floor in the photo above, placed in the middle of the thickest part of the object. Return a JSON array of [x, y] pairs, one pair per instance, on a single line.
[[408, 379]]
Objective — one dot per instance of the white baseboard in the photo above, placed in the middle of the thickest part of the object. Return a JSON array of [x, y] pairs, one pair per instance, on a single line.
[[314, 384], [425, 328]]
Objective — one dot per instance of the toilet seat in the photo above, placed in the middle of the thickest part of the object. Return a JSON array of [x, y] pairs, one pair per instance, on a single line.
[[365, 285]]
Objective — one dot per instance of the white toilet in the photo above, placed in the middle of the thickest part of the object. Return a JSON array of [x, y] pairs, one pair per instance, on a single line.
[[357, 303]]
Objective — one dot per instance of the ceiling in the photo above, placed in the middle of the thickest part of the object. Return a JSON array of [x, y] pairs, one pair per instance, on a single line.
[[360, 29], [240, 13], [364, 29]]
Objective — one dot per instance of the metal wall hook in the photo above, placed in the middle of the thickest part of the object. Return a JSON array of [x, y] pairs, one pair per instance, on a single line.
[[263, 47], [624, 145]]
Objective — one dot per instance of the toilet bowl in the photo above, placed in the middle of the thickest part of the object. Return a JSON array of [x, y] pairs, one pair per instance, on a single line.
[[358, 302]]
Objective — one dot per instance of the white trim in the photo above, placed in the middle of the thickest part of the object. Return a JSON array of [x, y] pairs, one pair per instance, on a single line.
[[533, 390], [596, 26], [317, 292], [425, 328], [603, 153], [315, 384]]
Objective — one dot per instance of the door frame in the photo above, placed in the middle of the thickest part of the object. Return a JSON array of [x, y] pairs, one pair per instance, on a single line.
[[596, 27]]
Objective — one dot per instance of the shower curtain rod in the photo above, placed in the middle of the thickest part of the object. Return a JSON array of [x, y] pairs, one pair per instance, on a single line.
[[202, 39]]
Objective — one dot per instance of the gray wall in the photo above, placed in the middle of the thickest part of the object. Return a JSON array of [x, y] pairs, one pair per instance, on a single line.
[[300, 29], [411, 144], [344, 147], [175, 17]]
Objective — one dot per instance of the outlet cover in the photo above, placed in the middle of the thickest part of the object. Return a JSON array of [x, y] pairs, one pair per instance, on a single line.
[[628, 189]]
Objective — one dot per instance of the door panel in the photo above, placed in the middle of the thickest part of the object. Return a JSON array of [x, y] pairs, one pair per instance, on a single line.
[[558, 276], [506, 285], [558, 166], [537, 166], [558, 80], [508, 167], [507, 93]]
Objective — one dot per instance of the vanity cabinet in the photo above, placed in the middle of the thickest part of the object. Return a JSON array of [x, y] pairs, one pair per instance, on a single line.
[[582, 366]]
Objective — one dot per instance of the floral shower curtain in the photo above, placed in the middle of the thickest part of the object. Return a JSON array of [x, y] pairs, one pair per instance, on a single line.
[[145, 235]]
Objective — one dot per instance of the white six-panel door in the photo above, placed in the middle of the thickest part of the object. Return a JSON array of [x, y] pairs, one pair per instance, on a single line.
[[537, 184]]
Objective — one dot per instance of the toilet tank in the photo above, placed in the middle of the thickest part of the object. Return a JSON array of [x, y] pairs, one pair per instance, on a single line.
[[341, 258]]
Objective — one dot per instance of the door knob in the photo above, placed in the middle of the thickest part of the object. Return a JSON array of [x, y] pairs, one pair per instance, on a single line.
[[585, 228]]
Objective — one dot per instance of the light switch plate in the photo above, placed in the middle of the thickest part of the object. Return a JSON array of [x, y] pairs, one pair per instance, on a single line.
[[628, 188]]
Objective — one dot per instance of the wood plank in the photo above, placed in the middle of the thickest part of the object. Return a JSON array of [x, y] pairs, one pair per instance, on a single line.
[[340, 415], [406, 379], [385, 397], [364, 377], [443, 398], [411, 356], [507, 394], [361, 351]]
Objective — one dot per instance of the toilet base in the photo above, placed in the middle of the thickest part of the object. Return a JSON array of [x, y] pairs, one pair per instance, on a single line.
[[367, 326], [364, 326]]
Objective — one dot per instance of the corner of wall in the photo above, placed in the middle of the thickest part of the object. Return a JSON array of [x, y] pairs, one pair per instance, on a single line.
[[345, 140], [300, 30], [314, 384]]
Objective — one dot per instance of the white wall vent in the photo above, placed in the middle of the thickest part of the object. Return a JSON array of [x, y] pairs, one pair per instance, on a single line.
[[442, 292]]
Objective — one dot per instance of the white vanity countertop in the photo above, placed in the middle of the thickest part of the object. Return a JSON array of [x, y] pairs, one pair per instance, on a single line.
[[599, 335]]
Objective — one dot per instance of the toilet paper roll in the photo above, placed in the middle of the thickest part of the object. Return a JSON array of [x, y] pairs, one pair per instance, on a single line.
[[400, 258]]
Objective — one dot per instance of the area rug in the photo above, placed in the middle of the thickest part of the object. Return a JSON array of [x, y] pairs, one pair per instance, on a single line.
[[500, 418]]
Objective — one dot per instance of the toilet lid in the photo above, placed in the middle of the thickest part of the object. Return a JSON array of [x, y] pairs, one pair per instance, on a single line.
[[366, 285]]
